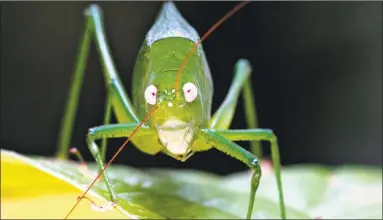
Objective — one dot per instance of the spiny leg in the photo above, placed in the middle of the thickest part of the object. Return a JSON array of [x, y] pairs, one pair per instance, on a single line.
[[223, 117], [260, 135], [117, 96], [240, 154], [110, 131]]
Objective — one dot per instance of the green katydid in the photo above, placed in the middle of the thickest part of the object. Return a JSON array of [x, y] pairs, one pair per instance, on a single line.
[[172, 94]]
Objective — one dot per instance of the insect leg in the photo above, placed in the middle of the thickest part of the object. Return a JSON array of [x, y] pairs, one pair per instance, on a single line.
[[260, 135], [108, 109], [119, 99], [223, 117], [74, 93], [239, 153], [109, 131], [83, 167], [122, 104]]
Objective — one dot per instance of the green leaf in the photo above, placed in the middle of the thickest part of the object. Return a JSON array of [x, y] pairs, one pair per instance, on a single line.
[[345, 192], [310, 191]]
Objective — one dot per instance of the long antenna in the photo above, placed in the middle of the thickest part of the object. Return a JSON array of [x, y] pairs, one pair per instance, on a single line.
[[111, 160], [215, 26]]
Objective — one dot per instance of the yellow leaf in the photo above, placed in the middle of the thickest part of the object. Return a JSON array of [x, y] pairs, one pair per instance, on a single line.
[[29, 192]]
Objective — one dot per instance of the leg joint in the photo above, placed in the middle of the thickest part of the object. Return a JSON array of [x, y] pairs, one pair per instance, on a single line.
[[91, 133], [93, 8], [273, 137], [244, 66], [270, 135], [254, 164]]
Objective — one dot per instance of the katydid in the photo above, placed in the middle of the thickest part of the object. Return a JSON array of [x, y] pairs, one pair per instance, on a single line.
[[172, 92]]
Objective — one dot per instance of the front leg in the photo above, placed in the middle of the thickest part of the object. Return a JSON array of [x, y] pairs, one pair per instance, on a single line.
[[260, 135], [110, 131], [239, 153]]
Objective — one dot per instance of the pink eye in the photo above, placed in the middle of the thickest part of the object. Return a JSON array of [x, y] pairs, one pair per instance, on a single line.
[[151, 95], [190, 92]]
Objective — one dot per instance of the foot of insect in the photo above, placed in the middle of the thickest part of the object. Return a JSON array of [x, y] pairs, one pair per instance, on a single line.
[[100, 208], [83, 167]]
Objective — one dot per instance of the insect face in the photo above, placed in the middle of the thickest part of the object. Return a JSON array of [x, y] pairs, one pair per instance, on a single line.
[[179, 112]]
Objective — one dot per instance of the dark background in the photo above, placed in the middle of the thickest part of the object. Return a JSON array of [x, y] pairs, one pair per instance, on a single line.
[[317, 75]]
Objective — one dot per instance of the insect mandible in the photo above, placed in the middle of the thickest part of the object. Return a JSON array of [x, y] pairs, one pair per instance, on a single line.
[[172, 92]]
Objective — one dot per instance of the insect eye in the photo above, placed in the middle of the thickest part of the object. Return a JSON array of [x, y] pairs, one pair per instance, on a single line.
[[151, 95], [190, 92]]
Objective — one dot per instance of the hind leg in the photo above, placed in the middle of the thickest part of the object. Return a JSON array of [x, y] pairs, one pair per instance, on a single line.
[[223, 117]]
